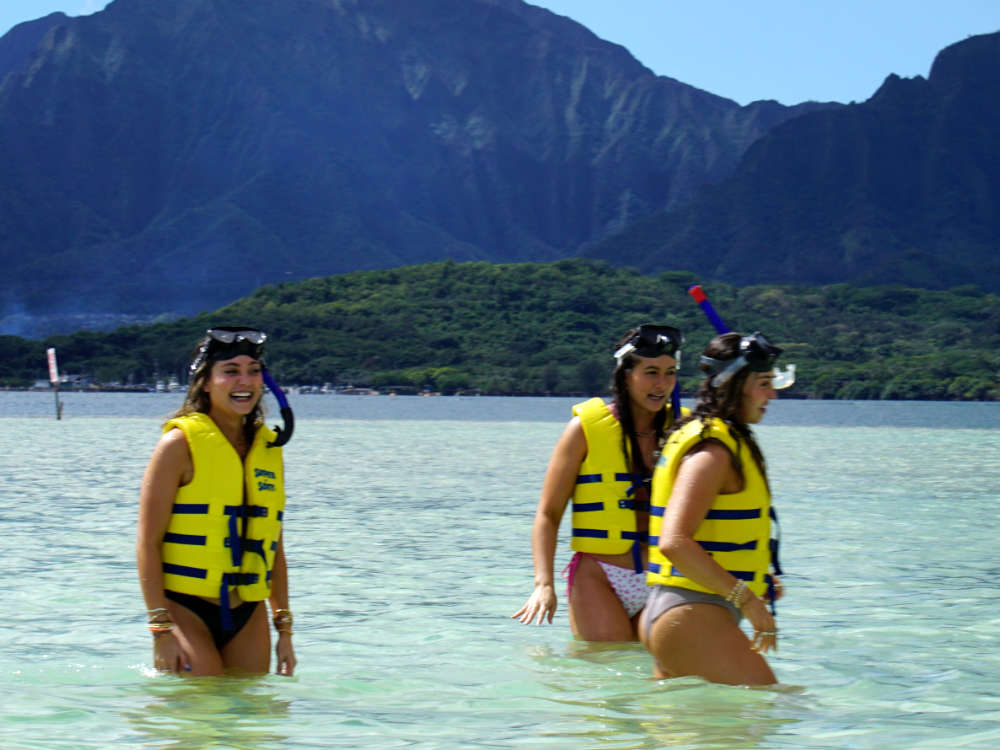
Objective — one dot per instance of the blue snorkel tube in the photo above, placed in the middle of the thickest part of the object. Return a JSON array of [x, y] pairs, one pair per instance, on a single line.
[[284, 434], [695, 291], [781, 379], [698, 294], [675, 401]]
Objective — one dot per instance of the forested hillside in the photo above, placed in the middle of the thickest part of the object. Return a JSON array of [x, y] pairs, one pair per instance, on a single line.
[[550, 328]]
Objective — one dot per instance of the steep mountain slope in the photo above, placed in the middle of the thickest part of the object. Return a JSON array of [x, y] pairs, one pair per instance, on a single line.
[[174, 156], [902, 188]]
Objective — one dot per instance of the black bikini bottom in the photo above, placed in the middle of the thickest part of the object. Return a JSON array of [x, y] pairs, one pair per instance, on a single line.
[[210, 614]]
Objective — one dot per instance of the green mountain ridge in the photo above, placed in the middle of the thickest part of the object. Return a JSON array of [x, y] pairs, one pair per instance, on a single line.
[[550, 328], [171, 157], [902, 188]]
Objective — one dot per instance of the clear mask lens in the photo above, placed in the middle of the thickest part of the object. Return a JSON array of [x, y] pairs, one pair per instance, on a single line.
[[783, 378]]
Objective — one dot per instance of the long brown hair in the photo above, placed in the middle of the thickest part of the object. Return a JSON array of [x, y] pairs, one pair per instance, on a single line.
[[725, 402], [623, 404]]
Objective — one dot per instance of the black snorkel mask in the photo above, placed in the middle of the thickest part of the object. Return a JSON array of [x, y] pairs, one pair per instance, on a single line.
[[756, 353], [227, 342], [653, 341]]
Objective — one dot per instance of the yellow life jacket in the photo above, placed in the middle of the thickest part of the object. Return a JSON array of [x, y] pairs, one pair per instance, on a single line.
[[736, 530], [206, 551], [604, 502]]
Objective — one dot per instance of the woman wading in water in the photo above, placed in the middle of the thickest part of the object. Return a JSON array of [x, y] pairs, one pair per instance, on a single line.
[[603, 461], [209, 547], [712, 561]]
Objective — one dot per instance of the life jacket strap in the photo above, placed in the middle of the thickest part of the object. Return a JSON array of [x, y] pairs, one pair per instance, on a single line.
[[225, 610]]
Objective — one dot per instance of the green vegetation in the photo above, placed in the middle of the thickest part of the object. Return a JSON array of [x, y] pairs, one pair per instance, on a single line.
[[551, 327]]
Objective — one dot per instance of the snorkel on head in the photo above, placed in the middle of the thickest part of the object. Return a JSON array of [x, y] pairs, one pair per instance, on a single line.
[[654, 341], [227, 342], [755, 351]]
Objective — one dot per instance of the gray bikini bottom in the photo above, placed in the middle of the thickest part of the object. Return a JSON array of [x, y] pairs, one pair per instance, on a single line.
[[664, 598]]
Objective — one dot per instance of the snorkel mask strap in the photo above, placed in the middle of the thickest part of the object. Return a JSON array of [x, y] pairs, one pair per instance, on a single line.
[[724, 368], [284, 434]]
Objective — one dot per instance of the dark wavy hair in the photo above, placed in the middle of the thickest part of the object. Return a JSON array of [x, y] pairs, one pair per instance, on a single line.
[[725, 401], [197, 399], [623, 404]]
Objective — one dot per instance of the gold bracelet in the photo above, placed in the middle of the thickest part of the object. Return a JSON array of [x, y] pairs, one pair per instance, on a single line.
[[738, 595], [283, 620]]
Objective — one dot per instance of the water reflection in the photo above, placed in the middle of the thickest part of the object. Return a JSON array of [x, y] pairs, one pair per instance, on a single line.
[[211, 712], [623, 706]]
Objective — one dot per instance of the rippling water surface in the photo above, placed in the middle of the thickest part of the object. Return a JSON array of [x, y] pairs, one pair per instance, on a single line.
[[408, 540]]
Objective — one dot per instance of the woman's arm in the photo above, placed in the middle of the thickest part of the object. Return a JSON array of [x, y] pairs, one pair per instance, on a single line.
[[169, 468], [704, 474], [283, 650], [701, 477], [560, 480]]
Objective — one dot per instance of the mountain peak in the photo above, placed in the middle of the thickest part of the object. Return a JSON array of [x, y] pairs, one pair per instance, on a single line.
[[170, 157]]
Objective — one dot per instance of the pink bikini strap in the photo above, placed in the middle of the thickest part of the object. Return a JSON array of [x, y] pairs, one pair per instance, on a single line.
[[569, 572]]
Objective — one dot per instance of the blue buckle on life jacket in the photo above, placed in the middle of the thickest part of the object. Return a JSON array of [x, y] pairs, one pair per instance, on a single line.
[[640, 505], [256, 545], [231, 579]]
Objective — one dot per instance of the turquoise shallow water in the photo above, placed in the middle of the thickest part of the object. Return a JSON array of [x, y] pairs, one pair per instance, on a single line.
[[408, 539]]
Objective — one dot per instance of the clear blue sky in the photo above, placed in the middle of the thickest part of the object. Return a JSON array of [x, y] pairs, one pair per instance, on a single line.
[[789, 50]]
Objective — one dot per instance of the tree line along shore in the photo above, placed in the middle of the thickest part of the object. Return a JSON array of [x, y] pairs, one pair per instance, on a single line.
[[550, 328]]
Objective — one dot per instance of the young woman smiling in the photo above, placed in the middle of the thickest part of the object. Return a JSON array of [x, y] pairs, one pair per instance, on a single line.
[[603, 461], [209, 546]]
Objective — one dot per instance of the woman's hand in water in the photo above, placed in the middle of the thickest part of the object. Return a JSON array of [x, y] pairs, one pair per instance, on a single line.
[[168, 655], [765, 629], [541, 605], [285, 654]]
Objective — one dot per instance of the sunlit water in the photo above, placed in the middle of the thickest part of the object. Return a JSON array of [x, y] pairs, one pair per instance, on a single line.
[[408, 540]]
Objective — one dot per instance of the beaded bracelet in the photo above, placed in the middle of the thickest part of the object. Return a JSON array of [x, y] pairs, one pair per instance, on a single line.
[[738, 596], [158, 628]]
